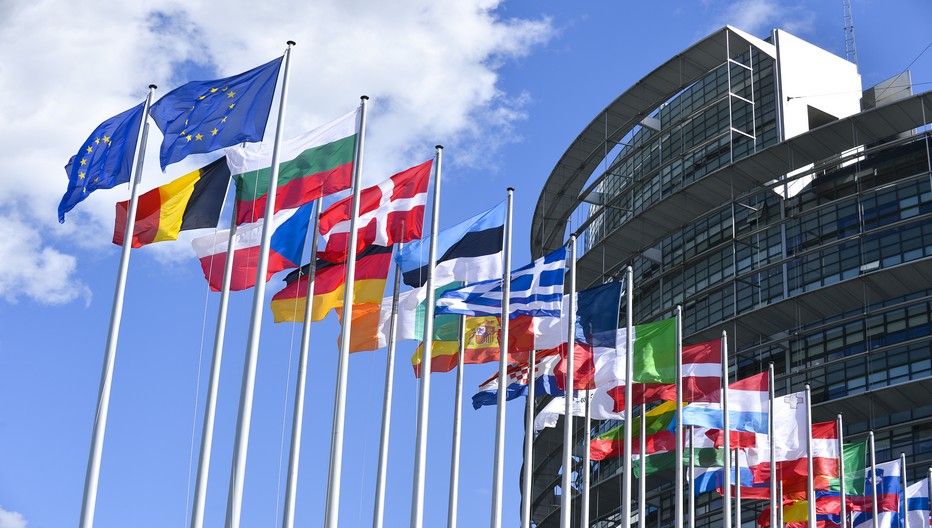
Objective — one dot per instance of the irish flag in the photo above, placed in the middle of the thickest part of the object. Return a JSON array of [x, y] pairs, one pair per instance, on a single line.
[[312, 165]]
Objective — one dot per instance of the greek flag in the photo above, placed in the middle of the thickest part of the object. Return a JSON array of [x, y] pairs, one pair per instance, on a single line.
[[536, 290]]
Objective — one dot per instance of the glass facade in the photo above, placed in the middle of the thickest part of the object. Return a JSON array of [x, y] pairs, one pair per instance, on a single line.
[[861, 226]]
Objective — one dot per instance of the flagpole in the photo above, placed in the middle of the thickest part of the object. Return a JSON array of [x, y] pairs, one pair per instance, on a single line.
[[642, 480], [678, 487], [244, 416], [584, 500], [629, 403], [775, 501], [781, 505], [692, 481], [810, 481], [843, 512], [379, 510], [297, 421], [528, 441], [726, 424], [210, 409], [901, 504], [332, 511], [873, 458], [457, 424], [737, 489], [423, 400], [566, 493], [91, 478], [499, 466]]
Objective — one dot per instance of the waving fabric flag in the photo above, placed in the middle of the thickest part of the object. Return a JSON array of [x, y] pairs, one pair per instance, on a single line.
[[917, 504], [470, 251], [285, 249], [748, 403], [599, 407], [536, 290], [517, 379], [312, 165], [104, 160], [203, 116], [329, 286], [599, 348], [390, 212], [193, 201], [657, 420]]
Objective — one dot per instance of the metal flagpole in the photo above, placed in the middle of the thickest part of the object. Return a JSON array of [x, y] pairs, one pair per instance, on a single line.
[[332, 511], [457, 423], [780, 510], [737, 489], [89, 502], [379, 510], [726, 433], [692, 481], [642, 480], [423, 400], [297, 421], [526, 487], [775, 500], [244, 417], [901, 504], [810, 483], [843, 511], [629, 403], [678, 432], [566, 496], [875, 522], [584, 499], [498, 474], [929, 477], [210, 409]]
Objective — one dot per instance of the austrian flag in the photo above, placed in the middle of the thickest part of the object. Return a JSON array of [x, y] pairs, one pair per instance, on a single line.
[[390, 212]]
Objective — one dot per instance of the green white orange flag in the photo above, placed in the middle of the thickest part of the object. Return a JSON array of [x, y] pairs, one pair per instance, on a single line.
[[314, 164]]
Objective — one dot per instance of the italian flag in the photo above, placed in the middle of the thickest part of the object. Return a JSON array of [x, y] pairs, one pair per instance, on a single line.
[[314, 164]]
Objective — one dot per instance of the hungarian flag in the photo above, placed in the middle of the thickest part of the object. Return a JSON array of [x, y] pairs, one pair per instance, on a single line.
[[314, 164], [329, 286], [193, 201], [390, 212], [285, 249]]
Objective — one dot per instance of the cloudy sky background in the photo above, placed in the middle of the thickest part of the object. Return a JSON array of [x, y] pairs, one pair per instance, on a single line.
[[505, 86]]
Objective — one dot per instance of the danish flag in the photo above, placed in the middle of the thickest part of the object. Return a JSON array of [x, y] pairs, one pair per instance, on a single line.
[[390, 212]]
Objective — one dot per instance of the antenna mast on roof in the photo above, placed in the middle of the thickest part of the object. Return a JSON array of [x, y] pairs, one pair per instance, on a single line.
[[851, 51]]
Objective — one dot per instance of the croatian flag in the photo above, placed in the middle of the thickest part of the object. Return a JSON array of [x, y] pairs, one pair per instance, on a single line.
[[747, 407], [517, 379], [536, 290], [917, 504]]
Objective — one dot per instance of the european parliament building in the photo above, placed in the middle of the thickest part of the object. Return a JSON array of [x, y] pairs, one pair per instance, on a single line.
[[756, 183]]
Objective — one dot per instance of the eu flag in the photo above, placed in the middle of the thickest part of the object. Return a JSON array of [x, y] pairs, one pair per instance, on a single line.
[[104, 160], [203, 116]]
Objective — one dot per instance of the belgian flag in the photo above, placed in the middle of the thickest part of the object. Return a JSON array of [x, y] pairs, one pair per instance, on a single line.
[[193, 201]]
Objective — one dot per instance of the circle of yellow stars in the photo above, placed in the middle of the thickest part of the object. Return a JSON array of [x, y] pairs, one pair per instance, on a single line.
[[107, 141], [197, 136]]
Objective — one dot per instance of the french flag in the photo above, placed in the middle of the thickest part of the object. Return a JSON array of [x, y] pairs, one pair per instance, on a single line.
[[748, 404]]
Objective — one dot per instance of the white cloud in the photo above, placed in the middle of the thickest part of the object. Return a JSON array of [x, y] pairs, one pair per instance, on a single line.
[[430, 67], [758, 17], [11, 519]]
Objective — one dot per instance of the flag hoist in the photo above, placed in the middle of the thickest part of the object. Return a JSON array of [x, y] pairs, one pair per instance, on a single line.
[[423, 400], [332, 511], [566, 499], [244, 416], [89, 502], [499, 460]]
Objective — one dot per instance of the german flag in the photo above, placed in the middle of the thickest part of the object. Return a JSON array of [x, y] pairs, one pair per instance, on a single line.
[[372, 267], [193, 201]]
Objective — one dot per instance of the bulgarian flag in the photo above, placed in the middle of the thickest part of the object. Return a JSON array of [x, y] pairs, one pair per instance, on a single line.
[[312, 165]]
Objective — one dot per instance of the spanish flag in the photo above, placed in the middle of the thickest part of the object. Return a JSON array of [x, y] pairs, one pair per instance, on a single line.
[[193, 201], [372, 267], [482, 342]]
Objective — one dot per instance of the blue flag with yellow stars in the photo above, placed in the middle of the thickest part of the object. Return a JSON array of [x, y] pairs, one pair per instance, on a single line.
[[104, 160], [203, 116]]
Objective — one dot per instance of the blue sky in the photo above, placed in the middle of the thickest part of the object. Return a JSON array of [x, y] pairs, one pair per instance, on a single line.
[[505, 86]]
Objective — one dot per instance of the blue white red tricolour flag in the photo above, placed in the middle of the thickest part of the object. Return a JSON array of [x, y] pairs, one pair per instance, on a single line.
[[536, 290], [517, 379], [747, 407]]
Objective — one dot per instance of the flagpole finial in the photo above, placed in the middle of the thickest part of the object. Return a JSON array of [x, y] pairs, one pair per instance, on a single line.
[[510, 189], [291, 43], [438, 147], [363, 97], [152, 87]]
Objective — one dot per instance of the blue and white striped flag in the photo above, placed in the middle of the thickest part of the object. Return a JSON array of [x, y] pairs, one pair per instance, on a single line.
[[536, 290]]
